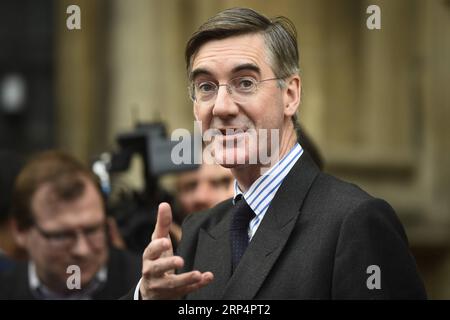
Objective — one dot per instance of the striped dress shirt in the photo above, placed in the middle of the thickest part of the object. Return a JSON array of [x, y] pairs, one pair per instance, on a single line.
[[260, 194]]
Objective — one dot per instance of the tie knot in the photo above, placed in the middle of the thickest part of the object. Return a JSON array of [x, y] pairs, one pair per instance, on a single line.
[[242, 214]]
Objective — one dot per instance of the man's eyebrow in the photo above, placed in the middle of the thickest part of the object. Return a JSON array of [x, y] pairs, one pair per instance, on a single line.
[[247, 66], [196, 72]]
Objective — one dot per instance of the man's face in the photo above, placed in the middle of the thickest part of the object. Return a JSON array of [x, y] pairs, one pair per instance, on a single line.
[[268, 108], [204, 188], [77, 236]]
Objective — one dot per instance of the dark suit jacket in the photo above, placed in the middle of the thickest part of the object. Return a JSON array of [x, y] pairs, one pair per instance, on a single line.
[[124, 270], [5, 263], [316, 241]]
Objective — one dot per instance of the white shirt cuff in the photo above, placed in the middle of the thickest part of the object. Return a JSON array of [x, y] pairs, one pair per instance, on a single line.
[[136, 291]]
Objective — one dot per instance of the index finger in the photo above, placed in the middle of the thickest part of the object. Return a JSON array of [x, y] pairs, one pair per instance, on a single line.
[[163, 221]]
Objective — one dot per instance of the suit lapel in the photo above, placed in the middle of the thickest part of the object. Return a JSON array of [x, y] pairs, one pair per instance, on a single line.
[[214, 254], [273, 233]]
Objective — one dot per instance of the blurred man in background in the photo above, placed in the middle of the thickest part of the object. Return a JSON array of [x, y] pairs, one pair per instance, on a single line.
[[199, 190], [204, 188], [59, 218]]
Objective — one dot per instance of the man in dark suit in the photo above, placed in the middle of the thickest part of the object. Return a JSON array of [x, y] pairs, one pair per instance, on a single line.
[[121, 271], [59, 219], [290, 231]]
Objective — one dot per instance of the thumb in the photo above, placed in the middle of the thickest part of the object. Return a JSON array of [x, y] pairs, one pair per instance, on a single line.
[[163, 221]]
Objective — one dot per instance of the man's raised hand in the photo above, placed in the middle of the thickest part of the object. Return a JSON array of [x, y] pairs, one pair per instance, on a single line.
[[159, 280]]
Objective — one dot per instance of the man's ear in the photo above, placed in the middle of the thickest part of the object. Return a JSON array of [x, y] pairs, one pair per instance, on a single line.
[[20, 235], [292, 95]]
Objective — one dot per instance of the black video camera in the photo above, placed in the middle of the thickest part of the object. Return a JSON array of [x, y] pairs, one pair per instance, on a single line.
[[135, 212]]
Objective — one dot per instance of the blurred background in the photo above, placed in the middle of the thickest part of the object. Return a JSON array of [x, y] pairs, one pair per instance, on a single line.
[[375, 102]]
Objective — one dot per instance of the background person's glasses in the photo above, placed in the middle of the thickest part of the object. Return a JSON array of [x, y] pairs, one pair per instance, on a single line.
[[66, 239], [239, 88]]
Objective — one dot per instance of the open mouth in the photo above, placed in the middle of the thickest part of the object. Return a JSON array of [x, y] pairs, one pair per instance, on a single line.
[[232, 131]]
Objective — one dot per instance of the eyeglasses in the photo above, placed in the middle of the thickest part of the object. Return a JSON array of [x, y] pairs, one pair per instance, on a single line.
[[67, 239], [240, 88]]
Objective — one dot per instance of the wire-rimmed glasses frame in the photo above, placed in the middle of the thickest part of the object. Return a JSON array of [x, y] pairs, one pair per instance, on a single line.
[[206, 91]]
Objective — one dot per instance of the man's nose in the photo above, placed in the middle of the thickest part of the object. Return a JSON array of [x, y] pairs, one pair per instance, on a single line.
[[202, 197], [224, 105], [81, 246]]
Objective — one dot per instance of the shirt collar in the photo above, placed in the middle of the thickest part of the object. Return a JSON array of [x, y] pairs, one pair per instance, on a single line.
[[276, 173]]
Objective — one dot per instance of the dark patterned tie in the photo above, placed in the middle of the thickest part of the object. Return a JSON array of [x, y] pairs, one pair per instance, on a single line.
[[242, 214]]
